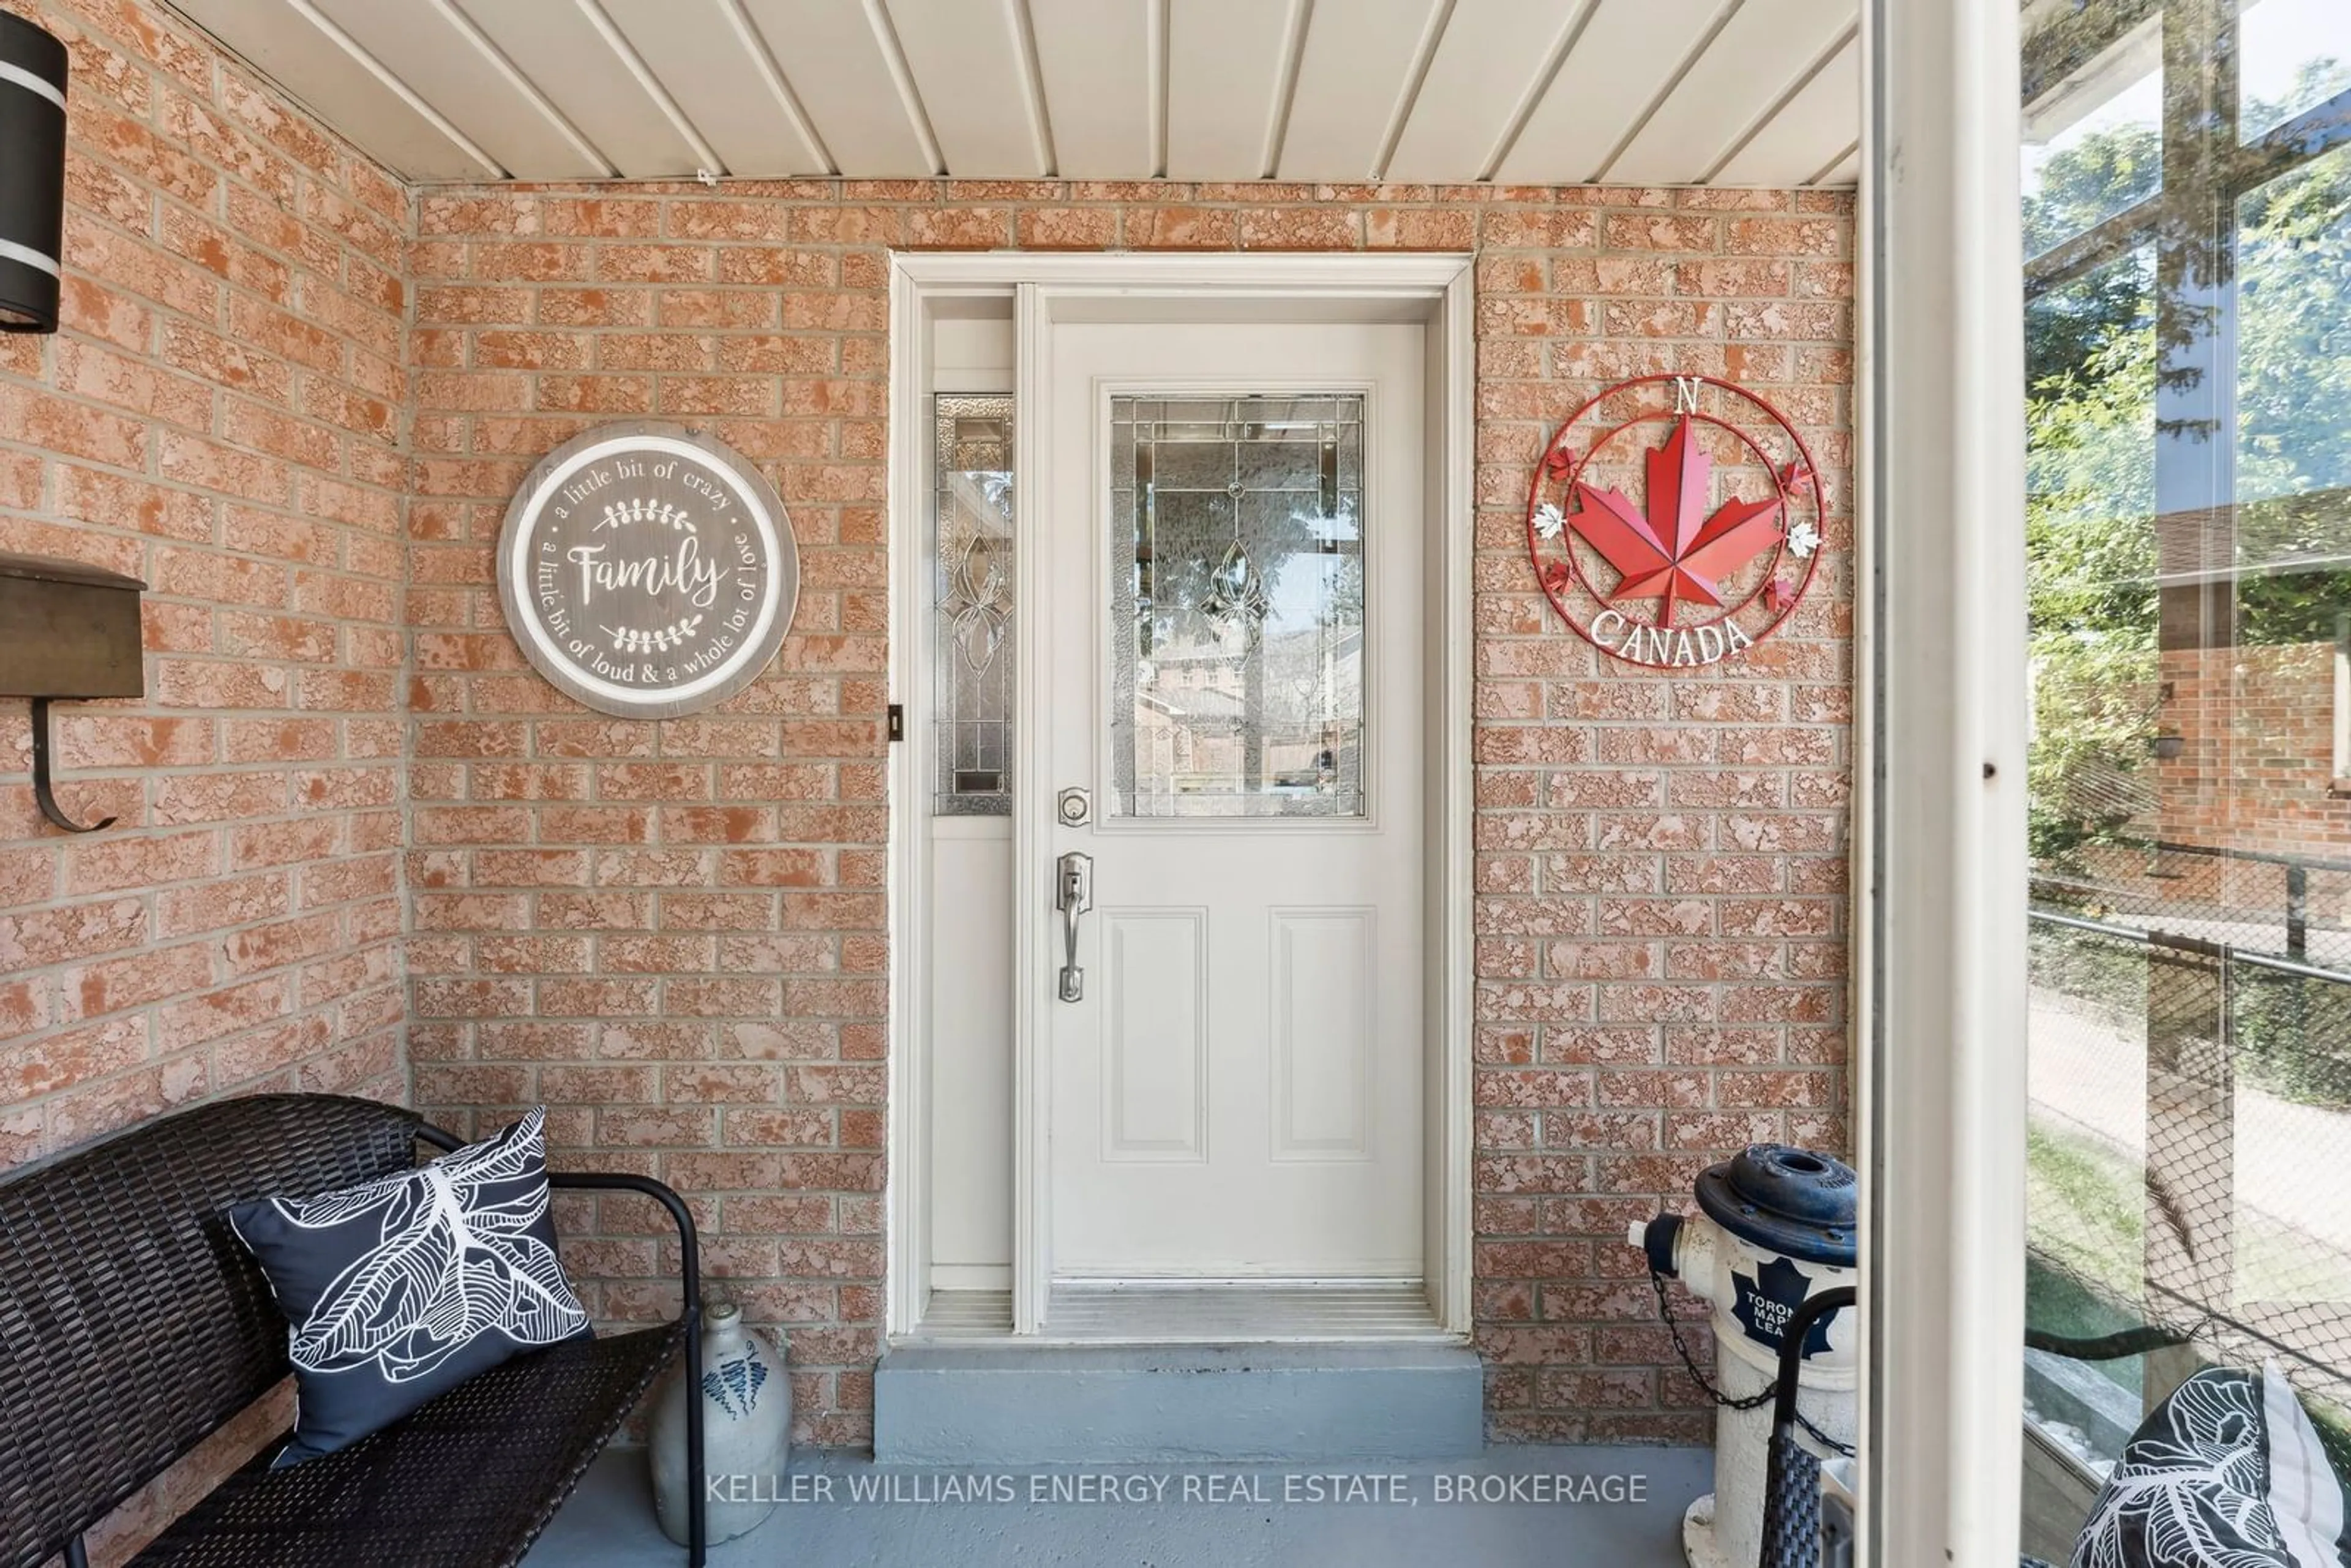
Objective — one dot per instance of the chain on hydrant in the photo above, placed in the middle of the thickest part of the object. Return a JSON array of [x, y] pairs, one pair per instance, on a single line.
[[1775, 1226]]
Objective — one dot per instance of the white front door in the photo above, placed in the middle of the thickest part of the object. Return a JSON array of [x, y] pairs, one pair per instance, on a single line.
[[1234, 531]]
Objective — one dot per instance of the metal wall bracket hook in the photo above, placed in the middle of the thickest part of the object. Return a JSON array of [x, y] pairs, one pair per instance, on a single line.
[[43, 792]]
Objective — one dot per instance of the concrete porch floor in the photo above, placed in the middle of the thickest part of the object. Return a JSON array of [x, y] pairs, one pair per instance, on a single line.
[[609, 1522]]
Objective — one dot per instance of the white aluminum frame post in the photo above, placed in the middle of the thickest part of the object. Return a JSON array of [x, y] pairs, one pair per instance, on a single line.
[[1943, 834]]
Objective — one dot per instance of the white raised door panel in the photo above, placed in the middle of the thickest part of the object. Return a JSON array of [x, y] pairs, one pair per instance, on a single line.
[[970, 1018], [1325, 1056], [1236, 1093], [1155, 1055]]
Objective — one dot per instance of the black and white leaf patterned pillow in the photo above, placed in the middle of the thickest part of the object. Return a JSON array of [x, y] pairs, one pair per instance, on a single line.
[[2226, 1473], [405, 1286]]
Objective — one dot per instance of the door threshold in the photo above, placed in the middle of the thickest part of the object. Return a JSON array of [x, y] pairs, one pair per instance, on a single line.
[[1209, 1313], [1024, 1402]]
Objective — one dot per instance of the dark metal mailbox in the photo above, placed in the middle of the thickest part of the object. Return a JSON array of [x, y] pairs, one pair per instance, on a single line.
[[69, 630], [66, 630]]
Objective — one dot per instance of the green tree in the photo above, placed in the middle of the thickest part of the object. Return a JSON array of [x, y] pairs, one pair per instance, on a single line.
[[2090, 548], [2294, 401], [2079, 188], [2092, 358]]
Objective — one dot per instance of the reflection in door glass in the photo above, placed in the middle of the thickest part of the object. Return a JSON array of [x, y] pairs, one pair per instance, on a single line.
[[2188, 318], [2093, 118], [2294, 55], [971, 595], [1236, 588]]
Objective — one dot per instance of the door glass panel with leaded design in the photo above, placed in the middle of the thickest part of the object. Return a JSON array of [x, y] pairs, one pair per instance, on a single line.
[[971, 593], [1236, 581]]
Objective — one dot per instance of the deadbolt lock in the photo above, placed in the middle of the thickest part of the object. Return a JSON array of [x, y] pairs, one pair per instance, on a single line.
[[1076, 807]]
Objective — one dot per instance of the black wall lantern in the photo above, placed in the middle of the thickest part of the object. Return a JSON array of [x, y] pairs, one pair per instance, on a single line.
[[32, 175]]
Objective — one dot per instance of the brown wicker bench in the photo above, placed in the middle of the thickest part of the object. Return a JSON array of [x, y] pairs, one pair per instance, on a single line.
[[132, 1324]]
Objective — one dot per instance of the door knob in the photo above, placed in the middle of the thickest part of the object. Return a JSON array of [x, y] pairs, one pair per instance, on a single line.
[[1074, 895]]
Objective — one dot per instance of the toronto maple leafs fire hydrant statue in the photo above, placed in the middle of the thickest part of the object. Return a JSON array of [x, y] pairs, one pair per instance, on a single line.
[[747, 1423], [1776, 1225]]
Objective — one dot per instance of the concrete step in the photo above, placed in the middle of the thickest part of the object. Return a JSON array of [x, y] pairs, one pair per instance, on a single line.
[[1053, 1404]]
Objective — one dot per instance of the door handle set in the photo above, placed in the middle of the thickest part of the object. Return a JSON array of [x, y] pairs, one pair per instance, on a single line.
[[1074, 895]]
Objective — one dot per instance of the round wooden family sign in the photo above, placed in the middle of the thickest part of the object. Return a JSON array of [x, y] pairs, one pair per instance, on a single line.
[[647, 570]]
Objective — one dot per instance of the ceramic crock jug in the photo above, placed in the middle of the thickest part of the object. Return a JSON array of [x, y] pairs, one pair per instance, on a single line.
[[746, 1430]]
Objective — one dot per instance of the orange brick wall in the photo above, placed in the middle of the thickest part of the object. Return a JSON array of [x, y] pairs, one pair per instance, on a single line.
[[221, 415], [295, 397], [674, 934], [2257, 770]]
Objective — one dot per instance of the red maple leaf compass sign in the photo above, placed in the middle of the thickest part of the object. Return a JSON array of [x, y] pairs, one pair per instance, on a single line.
[[1683, 576]]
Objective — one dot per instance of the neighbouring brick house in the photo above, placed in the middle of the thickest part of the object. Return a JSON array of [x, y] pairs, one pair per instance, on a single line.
[[2257, 765], [364, 847], [2243, 781]]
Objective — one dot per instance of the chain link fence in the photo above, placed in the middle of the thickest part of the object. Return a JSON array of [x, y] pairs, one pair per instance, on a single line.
[[2190, 1135]]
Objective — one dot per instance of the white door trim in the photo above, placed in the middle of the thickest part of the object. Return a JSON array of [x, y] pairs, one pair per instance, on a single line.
[[1437, 289]]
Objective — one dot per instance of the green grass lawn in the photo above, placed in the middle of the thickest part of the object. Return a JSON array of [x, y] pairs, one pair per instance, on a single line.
[[2086, 1211]]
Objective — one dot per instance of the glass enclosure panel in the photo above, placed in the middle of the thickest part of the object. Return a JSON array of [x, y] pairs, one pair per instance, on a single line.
[[2293, 368], [2093, 118], [2189, 528], [971, 633], [1237, 589], [2294, 54]]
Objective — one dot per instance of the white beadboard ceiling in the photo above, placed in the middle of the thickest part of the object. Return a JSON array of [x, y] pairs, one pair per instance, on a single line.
[[1741, 92]]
